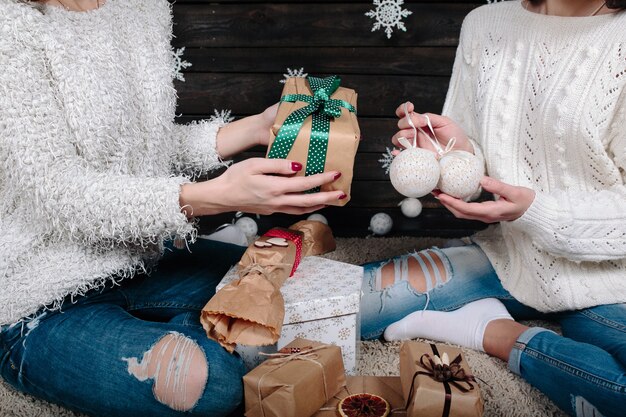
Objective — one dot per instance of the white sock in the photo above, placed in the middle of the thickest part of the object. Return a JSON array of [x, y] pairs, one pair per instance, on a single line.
[[465, 326]]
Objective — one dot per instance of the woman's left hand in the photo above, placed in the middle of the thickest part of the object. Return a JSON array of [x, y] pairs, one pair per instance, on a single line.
[[512, 204], [268, 116], [246, 133]]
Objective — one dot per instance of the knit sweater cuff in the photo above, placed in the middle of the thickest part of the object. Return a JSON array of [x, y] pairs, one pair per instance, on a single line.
[[198, 153], [540, 218]]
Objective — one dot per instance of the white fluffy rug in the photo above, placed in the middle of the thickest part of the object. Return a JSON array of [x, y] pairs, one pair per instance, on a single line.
[[506, 396]]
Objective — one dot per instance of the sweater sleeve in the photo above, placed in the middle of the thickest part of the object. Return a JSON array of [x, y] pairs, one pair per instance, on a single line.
[[197, 147], [584, 225], [43, 173], [460, 99]]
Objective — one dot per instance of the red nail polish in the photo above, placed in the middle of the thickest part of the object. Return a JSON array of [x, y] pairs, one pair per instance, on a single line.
[[342, 196], [296, 166], [337, 176]]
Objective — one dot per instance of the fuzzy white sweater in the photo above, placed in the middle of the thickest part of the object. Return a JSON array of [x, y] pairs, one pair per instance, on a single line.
[[91, 162], [545, 99]]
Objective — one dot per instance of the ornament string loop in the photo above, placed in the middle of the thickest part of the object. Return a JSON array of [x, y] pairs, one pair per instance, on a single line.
[[433, 139]]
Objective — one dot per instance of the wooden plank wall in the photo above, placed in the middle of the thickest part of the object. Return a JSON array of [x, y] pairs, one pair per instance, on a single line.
[[241, 49]]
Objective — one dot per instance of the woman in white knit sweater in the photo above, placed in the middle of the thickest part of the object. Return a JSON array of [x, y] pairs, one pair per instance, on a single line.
[[539, 91], [94, 177]]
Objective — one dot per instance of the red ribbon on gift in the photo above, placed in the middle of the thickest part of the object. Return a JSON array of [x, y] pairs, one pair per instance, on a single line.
[[295, 238]]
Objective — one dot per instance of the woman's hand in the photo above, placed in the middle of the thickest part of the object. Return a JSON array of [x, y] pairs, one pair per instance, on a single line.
[[246, 133], [512, 204], [444, 128], [259, 185]]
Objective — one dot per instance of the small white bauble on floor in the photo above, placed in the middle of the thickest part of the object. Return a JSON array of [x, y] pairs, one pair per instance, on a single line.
[[411, 207], [248, 226], [380, 224], [415, 172], [461, 173], [318, 218]]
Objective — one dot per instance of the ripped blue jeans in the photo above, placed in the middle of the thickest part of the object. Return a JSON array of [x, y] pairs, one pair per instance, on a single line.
[[583, 371], [137, 349]]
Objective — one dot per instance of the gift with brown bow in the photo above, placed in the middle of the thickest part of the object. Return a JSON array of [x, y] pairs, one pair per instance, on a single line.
[[437, 382]]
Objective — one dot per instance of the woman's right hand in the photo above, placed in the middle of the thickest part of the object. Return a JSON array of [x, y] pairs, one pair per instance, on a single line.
[[444, 128], [259, 185]]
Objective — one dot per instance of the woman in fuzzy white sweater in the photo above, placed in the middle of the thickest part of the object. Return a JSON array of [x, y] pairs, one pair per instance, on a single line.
[[94, 177]]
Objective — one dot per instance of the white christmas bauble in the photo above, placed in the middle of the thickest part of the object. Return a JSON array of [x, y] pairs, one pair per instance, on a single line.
[[461, 173], [248, 226], [380, 224], [318, 218], [415, 172], [411, 207]]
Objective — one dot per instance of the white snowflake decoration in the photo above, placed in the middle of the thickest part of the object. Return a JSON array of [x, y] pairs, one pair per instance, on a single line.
[[180, 64], [388, 14], [222, 116], [297, 73], [386, 160]]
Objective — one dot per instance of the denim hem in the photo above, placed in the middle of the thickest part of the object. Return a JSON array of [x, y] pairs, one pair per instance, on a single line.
[[515, 357]]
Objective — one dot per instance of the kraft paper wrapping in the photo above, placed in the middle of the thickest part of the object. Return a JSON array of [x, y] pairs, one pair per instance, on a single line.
[[318, 240], [429, 396], [295, 385], [387, 387], [342, 143], [251, 310]]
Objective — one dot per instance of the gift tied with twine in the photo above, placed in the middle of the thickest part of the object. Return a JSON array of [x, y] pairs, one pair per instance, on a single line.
[[285, 356], [448, 374], [251, 309], [322, 108]]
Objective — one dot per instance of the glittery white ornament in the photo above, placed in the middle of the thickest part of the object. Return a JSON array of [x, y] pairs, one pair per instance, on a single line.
[[415, 172], [248, 226], [380, 224], [461, 173], [318, 218], [411, 207]]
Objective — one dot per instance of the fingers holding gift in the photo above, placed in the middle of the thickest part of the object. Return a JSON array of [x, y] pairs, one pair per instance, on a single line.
[[302, 184], [273, 166]]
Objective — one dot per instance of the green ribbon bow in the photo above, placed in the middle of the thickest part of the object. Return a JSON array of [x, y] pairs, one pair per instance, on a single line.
[[322, 108]]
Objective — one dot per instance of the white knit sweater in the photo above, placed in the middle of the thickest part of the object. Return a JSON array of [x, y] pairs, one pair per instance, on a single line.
[[545, 99], [91, 162]]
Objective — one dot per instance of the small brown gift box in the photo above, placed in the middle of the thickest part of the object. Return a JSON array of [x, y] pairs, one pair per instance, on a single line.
[[387, 387], [343, 139], [294, 384], [433, 390]]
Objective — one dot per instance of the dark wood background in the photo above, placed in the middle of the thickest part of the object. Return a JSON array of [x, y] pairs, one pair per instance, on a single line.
[[241, 49]]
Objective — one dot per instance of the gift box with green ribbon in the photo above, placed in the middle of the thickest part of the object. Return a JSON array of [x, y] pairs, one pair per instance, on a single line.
[[317, 126]]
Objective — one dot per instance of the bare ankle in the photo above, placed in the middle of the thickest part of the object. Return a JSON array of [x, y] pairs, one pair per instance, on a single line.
[[500, 336]]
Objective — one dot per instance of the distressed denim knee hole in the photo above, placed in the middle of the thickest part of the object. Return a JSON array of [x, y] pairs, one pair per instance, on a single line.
[[178, 368], [423, 270]]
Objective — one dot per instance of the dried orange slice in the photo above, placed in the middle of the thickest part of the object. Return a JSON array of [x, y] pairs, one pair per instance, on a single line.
[[363, 405]]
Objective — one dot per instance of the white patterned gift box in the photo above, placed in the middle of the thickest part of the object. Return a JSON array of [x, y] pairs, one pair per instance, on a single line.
[[321, 303]]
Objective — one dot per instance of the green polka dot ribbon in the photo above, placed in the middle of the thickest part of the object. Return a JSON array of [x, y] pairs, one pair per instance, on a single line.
[[322, 108]]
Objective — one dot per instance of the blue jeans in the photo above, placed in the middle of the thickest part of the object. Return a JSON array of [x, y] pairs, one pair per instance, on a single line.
[[133, 350], [583, 371]]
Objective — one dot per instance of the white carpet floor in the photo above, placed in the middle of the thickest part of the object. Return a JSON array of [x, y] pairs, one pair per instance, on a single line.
[[506, 396]]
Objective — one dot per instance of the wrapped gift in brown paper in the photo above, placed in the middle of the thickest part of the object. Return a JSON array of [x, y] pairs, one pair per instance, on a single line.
[[437, 382], [250, 311], [294, 383], [343, 137], [386, 387]]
